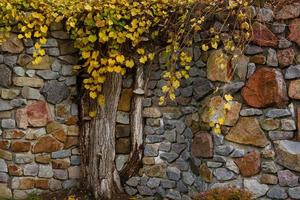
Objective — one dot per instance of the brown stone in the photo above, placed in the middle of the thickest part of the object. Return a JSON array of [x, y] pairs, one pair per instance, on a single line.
[[60, 163], [125, 100], [38, 114], [43, 158], [217, 103], [44, 64], [295, 31], [5, 115], [21, 118], [13, 134], [268, 179], [249, 165], [60, 135], [262, 36], [62, 111], [22, 183], [14, 170], [20, 146], [9, 93], [67, 47], [71, 141], [247, 131], [5, 191], [205, 173], [268, 154], [73, 130], [202, 145], [46, 144], [122, 131], [72, 120], [258, 59], [12, 44], [266, 87], [24, 59], [4, 144], [53, 126], [158, 170], [286, 57], [214, 71], [148, 161], [289, 11], [269, 124], [42, 184], [123, 145], [28, 81], [152, 112], [294, 89]]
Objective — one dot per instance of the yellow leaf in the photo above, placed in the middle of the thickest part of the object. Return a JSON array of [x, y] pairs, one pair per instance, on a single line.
[[227, 106], [86, 54], [101, 100], [42, 52], [140, 51], [92, 114], [43, 40], [88, 7], [204, 47], [37, 46], [151, 56], [129, 63], [37, 34], [143, 59], [214, 45], [28, 35], [93, 95], [44, 29], [221, 121], [30, 25], [228, 97], [20, 36], [120, 59]]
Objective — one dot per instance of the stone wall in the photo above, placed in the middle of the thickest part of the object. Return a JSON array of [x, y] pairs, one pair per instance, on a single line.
[[39, 133], [259, 148]]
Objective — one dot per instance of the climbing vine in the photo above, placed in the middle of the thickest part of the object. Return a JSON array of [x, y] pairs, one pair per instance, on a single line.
[[118, 35]]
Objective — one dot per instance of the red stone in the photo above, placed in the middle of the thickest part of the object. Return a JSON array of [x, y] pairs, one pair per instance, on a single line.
[[71, 141], [20, 146], [38, 114], [202, 145], [288, 11], [266, 87], [249, 165], [286, 57], [4, 144], [295, 31], [262, 36], [294, 89], [47, 144], [14, 170]]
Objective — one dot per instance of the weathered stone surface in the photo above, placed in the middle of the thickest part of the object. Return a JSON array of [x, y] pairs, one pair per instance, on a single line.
[[272, 58], [123, 145], [12, 44], [287, 178], [22, 183], [5, 192], [258, 59], [41, 184], [269, 124], [247, 131], [28, 81], [205, 173], [38, 114], [294, 192], [158, 170], [284, 43], [255, 187], [262, 36], [249, 165], [5, 76], [14, 170], [44, 64], [60, 163], [281, 135], [125, 100], [266, 87], [277, 192], [20, 146], [173, 173], [223, 174], [45, 171], [31, 170], [4, 105], [214, 71], [9, 93], [250, 112], [294, 89], [13, 134], [46, 144], [295, 31], [292, 72], [152, 112], [288, 125], [277, 113], [288, 154], [55, 91], [297, 134], [202, 145], [201, 88], [268, 179], [286, 57], [23, 158], [289, 11]]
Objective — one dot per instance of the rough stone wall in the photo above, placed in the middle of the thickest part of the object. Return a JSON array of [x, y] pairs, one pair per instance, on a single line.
[[259, 148], [39, 133]]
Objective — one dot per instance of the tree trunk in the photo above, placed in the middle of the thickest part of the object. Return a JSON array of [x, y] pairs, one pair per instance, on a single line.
[[98, 142], [134, 161]]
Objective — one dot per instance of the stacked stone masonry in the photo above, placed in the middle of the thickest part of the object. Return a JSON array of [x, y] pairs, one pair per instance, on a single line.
[[39, 150], [259, 148]]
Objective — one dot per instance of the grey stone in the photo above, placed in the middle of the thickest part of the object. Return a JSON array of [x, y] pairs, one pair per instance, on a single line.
[[18, 102], [153, 182], [281, 135], [181, 187], [187, 92], [5, 76], [200, 185], [173, 194], [237, 153], [269, 167], [173, 173], [188, 178], [277, 192], [170, 135], [287, 153], [178, 148], [3, 166], [288, 124], [251, 69], [55, 185], [72, 183], [213, 164], [133, 181], [151, 150], [170, 157], [23, 158], [120, 161], [30, 73], [201, 88], [45, 171], [129, 190], [224, 150], [283, 43], [276, 113], [31, 170], [294, 192], [53, 52], [252, 50], [19, 71], [292, 72], [145, 191], [200, 63], [51, 42], [278, 27], [47, 74], [147, 102], [188, 110], [168, 183], [264, 14], [250, 112], [257, 189], [223, 174], [122, 117], [55, 92], [287, 178], [272, 58], [61, 154], [230, 164], [1, 59], [56, 66], [8, 123], [31, 93], [71, 80], [4, 177], [10, 60], [67, 70], [75, 160], [150, 139], [233, 87], [182, 164], [218, 139], [60, 174], [165, 146]]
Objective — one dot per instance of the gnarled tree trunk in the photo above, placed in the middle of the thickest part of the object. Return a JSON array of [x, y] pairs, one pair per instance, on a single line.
[[98, 142]]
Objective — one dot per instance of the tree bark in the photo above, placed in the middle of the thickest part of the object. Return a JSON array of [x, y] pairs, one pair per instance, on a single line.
[[134, 161], [98, 142]]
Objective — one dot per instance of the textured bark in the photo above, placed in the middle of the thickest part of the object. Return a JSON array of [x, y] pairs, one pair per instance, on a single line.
[[134, 162], [98, 143]]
